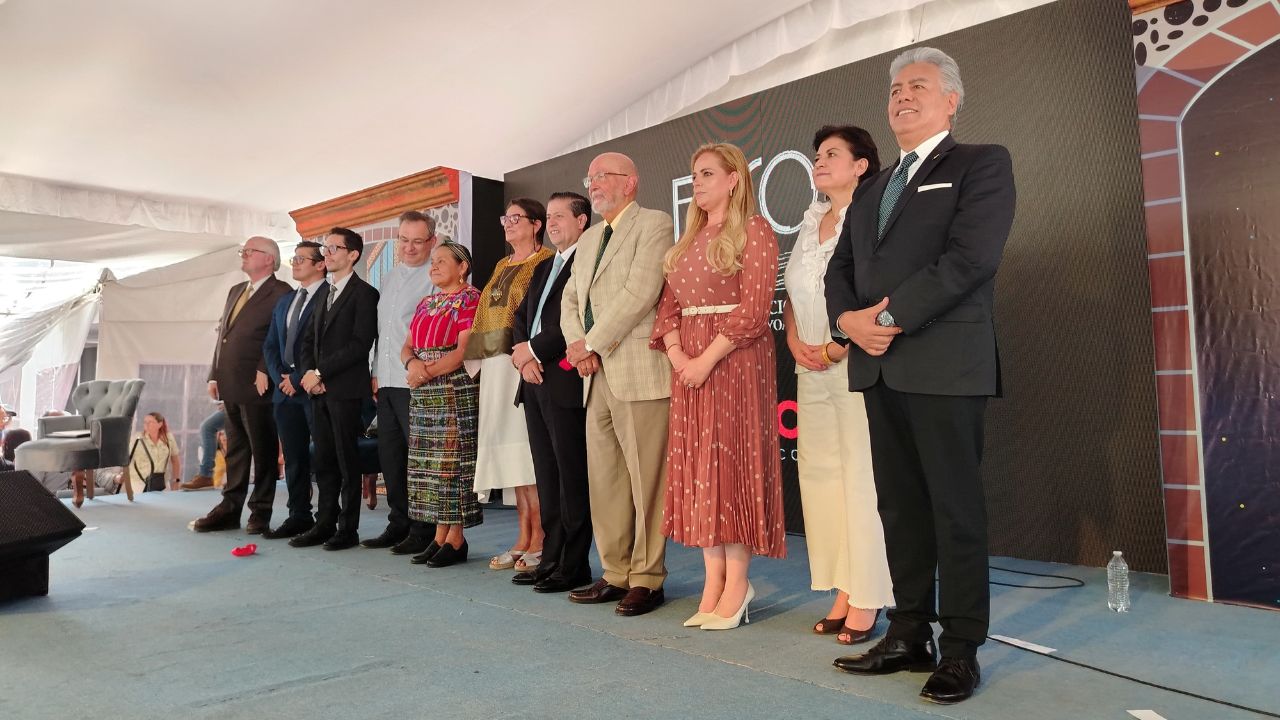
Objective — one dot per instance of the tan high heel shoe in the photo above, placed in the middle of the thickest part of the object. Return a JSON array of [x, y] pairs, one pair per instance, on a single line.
[[729, 623], [697, 619]]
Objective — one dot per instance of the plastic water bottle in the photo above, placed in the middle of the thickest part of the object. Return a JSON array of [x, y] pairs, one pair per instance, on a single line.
[[1118, 583]]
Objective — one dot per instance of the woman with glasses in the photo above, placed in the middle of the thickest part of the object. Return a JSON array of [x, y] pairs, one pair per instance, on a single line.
[[837, 488], [505, 460], [443, 409], [724, 478]]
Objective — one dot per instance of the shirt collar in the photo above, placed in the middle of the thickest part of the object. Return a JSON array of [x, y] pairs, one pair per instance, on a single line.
[[564, 256], [313, 287], [617, 219], [923, 149]]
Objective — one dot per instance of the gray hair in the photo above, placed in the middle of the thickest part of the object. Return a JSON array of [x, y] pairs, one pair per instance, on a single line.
[[947, 68], [272, 247]]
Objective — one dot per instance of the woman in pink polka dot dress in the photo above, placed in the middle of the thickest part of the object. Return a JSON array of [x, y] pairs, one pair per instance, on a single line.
[[724, 490]]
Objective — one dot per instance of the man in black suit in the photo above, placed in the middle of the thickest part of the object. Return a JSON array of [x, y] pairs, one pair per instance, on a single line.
[[283, 350], [335, 354], [554, 410], [911, 284], [238, 377]]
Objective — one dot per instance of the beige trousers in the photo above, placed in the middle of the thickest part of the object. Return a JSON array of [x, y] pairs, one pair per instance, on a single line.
[[838, 492], [627, 466]]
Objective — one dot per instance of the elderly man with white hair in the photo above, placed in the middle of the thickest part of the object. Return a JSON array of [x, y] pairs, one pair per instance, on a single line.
[[912, 285], [238, 377]]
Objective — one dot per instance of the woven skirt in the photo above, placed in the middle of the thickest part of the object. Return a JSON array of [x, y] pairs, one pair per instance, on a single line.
[[443, 415]]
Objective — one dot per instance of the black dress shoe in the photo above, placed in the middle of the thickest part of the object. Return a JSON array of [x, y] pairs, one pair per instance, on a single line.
[[342, 541], [448, 555], [427, 553], [559, 583], [953, 681], [891, 655], [412, 545], [315, 536], [388, 538], [527, 577], [640, 600], [289, 528], [257, 524], [600, 592]]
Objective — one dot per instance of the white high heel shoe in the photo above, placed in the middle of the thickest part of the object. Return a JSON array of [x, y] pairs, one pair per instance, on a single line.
[[697, 619], [728, 623]]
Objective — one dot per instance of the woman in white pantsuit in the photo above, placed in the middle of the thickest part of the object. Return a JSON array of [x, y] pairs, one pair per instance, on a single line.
[[837, 488]]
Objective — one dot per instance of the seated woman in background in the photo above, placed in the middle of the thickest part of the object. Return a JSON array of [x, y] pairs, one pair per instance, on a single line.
[[154, 451]]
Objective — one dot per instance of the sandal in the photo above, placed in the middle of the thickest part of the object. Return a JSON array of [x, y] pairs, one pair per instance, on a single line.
[[506, 560], [523, 564], [850, 636], [828, 626]]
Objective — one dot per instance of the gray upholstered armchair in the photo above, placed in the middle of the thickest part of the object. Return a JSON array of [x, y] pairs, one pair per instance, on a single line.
[[106, 409]]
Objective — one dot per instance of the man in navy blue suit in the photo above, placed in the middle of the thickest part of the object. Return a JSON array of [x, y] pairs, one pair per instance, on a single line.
[[912, 284], [292, 405]]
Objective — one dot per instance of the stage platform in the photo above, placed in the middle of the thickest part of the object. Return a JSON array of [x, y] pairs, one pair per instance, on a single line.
[[146, 619]]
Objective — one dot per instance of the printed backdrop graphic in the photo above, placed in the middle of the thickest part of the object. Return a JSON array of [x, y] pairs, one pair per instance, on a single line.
[[1072, 460]]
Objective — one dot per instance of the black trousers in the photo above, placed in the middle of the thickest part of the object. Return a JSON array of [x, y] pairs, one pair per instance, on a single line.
[[393, 458], [294, 421], [926, 451], [558, 440], [251, 441], [338, 477]]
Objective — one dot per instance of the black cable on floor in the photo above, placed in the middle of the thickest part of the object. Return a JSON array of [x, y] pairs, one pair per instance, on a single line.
[[1073, 582], [1140, 681]]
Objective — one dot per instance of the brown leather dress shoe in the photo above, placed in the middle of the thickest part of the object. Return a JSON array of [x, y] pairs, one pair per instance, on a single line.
[[257, 524], [199, 482], [220, 517], [640, 600], [953, 681], [600, 592]]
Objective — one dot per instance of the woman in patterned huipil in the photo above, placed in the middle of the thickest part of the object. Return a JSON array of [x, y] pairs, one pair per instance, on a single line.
[[505, 459], [724, 488], [443, 408]]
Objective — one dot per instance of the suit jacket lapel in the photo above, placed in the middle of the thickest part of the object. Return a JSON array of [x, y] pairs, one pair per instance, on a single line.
[[619, 235], [343, 297], [926, 166]]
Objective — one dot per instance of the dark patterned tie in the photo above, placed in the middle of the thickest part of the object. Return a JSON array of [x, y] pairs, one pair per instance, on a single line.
[[893, 190], [588, 318], [291, 333]]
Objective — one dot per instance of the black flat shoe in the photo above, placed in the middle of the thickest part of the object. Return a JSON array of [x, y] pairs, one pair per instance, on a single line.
[[427, 553], [342, 541], [387, 539], [448, 555], [954, 681], [412, 545], [891, 655]]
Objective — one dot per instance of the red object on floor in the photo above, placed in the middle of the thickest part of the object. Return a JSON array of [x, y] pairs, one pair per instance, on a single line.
[[245, 551]]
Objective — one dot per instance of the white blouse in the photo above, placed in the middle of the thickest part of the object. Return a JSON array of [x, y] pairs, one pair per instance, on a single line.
[[805, 278]]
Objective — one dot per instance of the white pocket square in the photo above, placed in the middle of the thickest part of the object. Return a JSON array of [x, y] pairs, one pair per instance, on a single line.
[[934, 186]]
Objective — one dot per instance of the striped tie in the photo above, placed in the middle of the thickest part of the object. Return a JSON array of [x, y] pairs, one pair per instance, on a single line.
[[588, 317], [894, 189]]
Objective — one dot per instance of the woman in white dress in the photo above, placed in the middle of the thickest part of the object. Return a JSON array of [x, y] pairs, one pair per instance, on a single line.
[[837, 487], [503, 459]]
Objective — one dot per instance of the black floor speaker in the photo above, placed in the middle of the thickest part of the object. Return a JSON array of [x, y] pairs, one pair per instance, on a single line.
[[33, 524]]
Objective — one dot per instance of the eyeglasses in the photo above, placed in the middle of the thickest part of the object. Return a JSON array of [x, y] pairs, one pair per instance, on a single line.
[[511, 220], [247, 251], [331, 249], [295, 260], [586, 181]]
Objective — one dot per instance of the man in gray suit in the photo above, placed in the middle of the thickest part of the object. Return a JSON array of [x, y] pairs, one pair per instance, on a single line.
[[607, 314]]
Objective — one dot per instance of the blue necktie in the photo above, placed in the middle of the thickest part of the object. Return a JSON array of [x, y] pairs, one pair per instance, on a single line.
[[555, 272], [894, 189], [291, 333]]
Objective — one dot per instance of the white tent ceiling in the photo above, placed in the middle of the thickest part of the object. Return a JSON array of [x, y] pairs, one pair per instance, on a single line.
[[278, 104]]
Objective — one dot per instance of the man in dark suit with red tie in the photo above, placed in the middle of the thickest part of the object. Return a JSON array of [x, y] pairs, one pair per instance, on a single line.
[[555, 409], [911, 284], [335, 359], [283, 350], [238, 378]]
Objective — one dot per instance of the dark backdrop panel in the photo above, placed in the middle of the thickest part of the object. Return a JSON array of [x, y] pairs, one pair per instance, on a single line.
[[1072, 468], [1231, 152]]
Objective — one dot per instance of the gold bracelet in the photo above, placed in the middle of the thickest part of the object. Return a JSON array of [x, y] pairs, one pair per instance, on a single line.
[[825, 357]]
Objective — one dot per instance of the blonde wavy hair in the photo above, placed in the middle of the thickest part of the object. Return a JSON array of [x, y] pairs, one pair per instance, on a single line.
[[724, 252]]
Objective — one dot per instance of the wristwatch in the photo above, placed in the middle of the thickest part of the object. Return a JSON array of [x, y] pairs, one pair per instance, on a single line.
[[884, 319], [317, 372]]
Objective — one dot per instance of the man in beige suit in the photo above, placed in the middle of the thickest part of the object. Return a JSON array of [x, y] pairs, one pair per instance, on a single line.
[[606, 316]]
